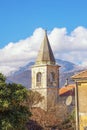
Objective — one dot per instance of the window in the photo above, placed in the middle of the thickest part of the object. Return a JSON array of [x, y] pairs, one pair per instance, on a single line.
[[52, 76], [38, 78]]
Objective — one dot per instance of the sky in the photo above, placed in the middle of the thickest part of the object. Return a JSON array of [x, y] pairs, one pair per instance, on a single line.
[[22, 23]]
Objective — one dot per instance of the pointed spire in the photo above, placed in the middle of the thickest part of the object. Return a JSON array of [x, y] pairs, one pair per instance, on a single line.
[[45, 55]]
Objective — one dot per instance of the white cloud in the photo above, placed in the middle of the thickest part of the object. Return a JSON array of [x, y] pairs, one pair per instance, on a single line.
[[71, 47]]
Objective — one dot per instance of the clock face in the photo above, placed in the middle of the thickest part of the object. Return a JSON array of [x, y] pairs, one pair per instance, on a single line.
[[69, 100]]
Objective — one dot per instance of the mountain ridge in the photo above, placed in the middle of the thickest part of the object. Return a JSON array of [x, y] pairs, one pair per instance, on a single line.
[[23, 75]]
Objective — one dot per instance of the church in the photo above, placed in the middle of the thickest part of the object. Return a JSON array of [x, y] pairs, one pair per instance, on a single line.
[[45, 75], [45, 80]]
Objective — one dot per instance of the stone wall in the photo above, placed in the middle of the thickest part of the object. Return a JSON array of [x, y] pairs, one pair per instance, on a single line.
[[47, 88]]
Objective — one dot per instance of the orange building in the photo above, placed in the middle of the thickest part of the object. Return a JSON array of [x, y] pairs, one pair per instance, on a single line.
[[67, 96]]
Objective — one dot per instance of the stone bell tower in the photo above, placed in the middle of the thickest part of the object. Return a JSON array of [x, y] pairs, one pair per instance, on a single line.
[[45, 75]]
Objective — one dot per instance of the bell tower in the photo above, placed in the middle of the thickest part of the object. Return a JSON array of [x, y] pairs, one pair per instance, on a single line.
[[45, 75]]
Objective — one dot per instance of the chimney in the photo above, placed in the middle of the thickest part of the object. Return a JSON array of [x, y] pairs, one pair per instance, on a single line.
[[66, 83]]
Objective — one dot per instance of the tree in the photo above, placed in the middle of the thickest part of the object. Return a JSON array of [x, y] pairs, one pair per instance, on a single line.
[[33, 98], [2, 78], [13, 112]]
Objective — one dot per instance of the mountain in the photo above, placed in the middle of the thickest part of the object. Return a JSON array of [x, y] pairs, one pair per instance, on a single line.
[[23, 75], [65, 65]]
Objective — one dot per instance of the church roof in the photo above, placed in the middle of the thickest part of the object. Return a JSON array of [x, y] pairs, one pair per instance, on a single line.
[[45, 55], [81, 75], [67, 90]]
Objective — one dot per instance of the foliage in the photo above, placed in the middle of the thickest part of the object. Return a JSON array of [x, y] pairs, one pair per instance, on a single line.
[[2, 78], [72, 116], [13, 113], [69, 122], [33, 98]]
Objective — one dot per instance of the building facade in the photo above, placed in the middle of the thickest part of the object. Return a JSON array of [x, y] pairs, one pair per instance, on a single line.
[[45, 75], [67, 96], [81, 100]]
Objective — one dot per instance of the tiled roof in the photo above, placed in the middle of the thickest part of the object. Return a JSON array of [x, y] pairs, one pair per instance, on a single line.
[[64, 90], [81, 75]]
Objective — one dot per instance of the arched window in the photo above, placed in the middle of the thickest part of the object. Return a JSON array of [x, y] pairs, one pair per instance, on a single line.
[[52, 76], [38, 78]]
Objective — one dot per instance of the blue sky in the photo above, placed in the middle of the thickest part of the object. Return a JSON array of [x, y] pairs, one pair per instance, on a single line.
[[21, 31], [19, 18]]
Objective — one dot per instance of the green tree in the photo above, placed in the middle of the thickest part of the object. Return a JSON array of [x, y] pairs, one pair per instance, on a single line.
[[13, 112], [2, 78]]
